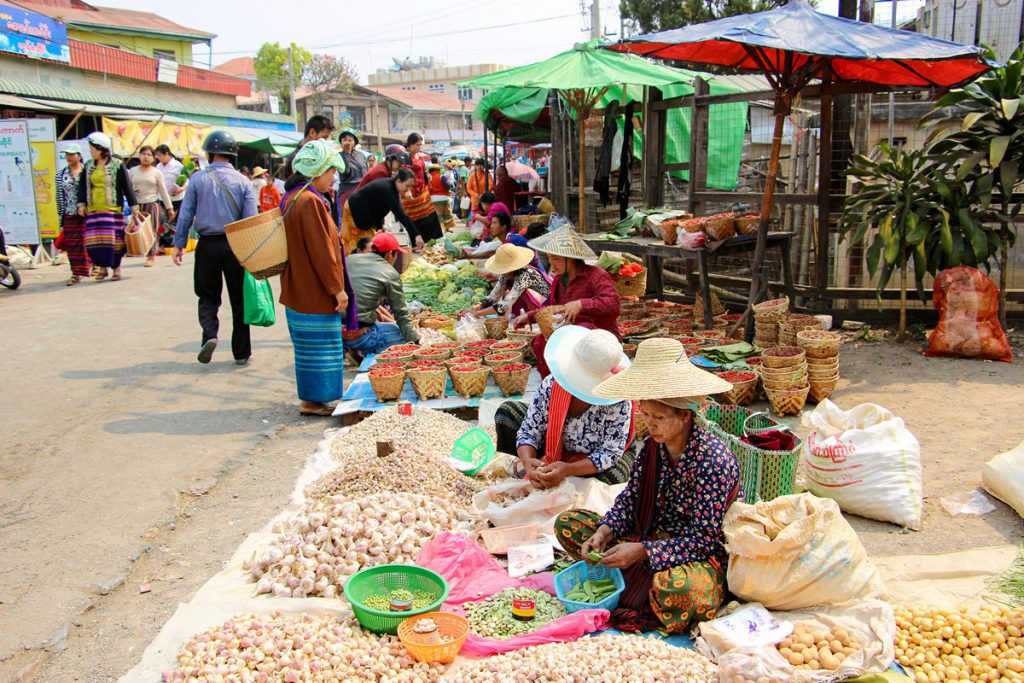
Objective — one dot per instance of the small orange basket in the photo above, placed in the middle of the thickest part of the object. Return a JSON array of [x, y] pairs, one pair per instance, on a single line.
[[440, 646]]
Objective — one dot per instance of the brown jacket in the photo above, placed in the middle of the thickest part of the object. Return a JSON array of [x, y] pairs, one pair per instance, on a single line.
[[314, 275]]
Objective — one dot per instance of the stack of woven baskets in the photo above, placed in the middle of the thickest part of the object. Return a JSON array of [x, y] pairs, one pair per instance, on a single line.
[[793, 323], [785, 379], [767, 316], [822, 351]]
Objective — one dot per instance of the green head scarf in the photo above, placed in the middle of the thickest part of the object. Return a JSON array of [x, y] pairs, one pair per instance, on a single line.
[[316, 158]]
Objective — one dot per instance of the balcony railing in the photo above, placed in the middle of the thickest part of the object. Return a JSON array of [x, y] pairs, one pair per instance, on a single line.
[[109, 60]]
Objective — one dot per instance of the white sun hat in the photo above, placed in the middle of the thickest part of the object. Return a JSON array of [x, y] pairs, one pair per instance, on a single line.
[[661, 372], [581, 358], [98, 139]]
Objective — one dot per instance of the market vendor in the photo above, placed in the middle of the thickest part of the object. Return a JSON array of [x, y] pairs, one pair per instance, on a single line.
[[480, 224], [520, 287], [501, 230], [585, 294], [664, 531], [417, 203], [567, 431], [376, 282]]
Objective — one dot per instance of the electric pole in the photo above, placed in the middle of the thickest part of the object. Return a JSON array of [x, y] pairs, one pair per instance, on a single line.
[[595, 19], [291, 87]]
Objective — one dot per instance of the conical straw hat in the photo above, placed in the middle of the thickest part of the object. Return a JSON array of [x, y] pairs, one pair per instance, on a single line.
[[509, 258], [563, 242], [661, 372]]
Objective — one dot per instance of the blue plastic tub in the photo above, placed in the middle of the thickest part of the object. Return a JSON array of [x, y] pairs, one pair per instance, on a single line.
[[569, 578]]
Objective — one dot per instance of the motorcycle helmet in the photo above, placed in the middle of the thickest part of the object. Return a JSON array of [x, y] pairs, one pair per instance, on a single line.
[[392, 151], [221, 142], [404, 158], [348, 131]]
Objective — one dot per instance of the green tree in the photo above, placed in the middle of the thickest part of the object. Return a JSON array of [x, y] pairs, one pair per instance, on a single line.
[[271, 66], [660, 15], [981, 136]]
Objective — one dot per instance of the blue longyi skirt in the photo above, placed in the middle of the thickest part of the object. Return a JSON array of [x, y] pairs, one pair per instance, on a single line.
[[319, 355]]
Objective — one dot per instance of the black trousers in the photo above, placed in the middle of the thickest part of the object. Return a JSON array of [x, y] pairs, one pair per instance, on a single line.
[[214, 261]]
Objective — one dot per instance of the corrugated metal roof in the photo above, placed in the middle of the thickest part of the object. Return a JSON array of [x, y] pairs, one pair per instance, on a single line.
[[112, 18], [423, 100], [49, 92]]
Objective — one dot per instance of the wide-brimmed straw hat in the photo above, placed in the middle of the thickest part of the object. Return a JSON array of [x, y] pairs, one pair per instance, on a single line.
[[508, 258], [581, 358], [563, 242], [661, 372]]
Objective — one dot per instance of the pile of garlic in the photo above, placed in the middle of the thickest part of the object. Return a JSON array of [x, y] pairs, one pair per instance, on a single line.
[[296, 648], [429, 430], [409, 469], [313, 553], [605, 659]]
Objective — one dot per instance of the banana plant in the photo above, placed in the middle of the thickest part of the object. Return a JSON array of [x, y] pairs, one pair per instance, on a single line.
[[979, 137], [891, 207]]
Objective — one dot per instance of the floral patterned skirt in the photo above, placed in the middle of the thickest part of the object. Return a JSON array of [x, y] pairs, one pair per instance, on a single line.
[[679, 596]]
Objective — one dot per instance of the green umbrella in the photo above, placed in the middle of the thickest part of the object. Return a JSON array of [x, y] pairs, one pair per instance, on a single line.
[[582, 76]]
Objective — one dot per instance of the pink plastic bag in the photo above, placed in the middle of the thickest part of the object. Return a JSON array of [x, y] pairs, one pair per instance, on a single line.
[[472, 575]]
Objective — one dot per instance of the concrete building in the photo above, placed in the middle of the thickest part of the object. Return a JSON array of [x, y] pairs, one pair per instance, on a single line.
[[429, 75], [361, 108], [996, 23], [443, 120]]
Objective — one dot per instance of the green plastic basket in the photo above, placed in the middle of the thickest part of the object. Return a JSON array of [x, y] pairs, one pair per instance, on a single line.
[[474, 449], [765, 474], [384, 579]]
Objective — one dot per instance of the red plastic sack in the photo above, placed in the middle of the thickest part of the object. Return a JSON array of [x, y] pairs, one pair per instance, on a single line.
[[968, 306], [472, 575]]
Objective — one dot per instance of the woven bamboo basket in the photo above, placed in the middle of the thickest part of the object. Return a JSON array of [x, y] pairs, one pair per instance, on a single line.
[[479, 354], [822, 375], [469, 382], [259, 243], [496, 327], [523, 335], [545, 318], [401, 357], [743, 392], [388, 387], [772, 310], [789, 402], [509, 345], [784, 384], [463, 360], [521, 222], [503, 358], [428, 382], [631, 286], [432, 353], [799, 370], [822, 390], [437, 322], [747, 225], [512, 378], [818, 343], [546, 207], [698, 305], [720, 227], [783, 357], [823, 371], [669, 232]]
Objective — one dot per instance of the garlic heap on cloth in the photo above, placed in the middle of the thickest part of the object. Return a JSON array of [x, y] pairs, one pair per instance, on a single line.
[[429, 430], [409, 469], [281, 648], [604, 659], [314, 552]]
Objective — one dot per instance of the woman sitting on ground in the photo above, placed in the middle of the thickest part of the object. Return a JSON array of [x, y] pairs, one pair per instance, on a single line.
[[664, 531], [585, 295], [567, 431], [520, 287]]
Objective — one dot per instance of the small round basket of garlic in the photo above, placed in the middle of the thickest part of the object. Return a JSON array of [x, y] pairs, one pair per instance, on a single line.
[[434, 636]]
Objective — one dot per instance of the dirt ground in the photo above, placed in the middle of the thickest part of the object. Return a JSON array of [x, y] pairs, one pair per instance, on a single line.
[[128, 462]]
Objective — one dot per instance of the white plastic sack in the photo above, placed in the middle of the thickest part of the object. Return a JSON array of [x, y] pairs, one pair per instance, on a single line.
[[541, 507], [1004, 477], [469, 328], [866, 460], [794, 552]]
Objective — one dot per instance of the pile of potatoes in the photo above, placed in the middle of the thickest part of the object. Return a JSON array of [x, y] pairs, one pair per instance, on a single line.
[[810, 648]]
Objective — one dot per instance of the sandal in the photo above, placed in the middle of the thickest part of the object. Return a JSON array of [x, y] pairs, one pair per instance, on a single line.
[[101, 274], [322, 411], [150, 261], [116, 276], [73, 280]]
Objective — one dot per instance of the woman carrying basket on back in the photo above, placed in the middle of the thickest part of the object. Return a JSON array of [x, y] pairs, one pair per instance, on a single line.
[[315, 289], [664, 531]]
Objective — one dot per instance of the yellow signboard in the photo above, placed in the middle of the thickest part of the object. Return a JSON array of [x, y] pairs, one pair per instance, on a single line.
[[182, 139], [42, 140]]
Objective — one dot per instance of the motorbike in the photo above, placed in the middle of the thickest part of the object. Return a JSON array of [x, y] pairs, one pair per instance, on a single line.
[[9, 276]]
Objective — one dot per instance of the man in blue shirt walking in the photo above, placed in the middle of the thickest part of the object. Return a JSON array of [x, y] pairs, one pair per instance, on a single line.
[[215, 197]]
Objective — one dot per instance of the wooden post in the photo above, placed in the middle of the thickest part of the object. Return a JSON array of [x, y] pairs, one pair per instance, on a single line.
[[824, 197], [558, 164], [698, 144], [653, 149], [581, 118]]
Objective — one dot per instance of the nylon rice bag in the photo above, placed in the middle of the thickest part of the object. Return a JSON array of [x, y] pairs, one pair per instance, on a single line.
[[968, 306]]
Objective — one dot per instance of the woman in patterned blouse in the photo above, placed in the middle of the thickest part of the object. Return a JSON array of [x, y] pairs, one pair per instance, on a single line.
[[664, 531], [72, 226], [567, 431], [520, 287]]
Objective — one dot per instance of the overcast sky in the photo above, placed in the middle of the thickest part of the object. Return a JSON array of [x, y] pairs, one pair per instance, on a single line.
[[369, 33]]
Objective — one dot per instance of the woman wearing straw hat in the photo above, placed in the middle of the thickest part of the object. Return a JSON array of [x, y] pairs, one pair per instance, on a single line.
[[585, 295], [568, 431], [315, 287], [664, 531], [520, 286]]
